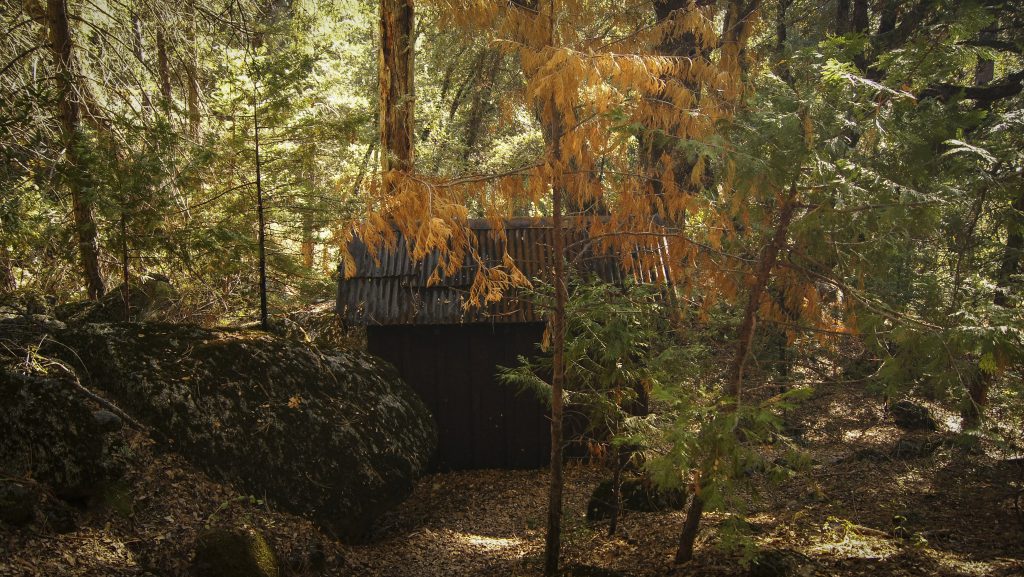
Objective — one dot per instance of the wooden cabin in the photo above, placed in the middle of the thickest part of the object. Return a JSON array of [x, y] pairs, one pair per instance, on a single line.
[[450, 354]]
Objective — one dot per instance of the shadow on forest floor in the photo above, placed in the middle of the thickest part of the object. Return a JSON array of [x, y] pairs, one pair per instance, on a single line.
[[838, 516]]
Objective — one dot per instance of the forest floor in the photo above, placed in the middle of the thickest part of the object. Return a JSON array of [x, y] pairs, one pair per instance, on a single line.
[[835, 518]]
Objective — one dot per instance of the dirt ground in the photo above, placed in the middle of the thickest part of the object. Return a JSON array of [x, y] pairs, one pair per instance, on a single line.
[[875, 501]]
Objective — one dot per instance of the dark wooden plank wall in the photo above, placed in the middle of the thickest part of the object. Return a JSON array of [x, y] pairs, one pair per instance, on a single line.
[[482, 423]]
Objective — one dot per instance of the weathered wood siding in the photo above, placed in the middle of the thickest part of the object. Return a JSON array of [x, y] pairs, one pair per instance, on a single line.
[[482, 423]]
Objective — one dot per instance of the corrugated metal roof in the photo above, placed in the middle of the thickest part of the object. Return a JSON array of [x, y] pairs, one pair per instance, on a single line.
[[391, 289]]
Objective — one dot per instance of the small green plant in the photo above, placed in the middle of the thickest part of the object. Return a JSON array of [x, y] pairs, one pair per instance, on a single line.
[[250, 499]]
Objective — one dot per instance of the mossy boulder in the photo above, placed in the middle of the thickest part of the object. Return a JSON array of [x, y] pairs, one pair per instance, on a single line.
[[48, 433], [911, 416], [335, 436], [638, 494], [17, 503], [780, 563], [223, 552]]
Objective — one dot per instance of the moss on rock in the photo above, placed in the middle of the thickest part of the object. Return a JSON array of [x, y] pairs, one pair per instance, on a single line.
[[49, 433], [636, 494], [223, 552], [336, 436], [17, 503]]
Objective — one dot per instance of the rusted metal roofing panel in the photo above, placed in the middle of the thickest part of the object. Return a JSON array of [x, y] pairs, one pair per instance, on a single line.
[[389, 288]]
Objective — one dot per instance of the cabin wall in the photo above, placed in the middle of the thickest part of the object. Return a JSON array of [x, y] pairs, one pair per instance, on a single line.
[[482, 423]]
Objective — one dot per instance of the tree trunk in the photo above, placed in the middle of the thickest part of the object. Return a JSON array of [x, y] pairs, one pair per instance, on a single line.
[[1009, 265], [769, 256], [70, 120], [691, 526], [308, 246], [733, 388], [553, 542], [8, 282], [861, 19], [193, 95], [842, 17], [478, 107], [981, 381], [163, 68], [656, 147], [397, 94], [261, 222], [139, 50], [781, 36]]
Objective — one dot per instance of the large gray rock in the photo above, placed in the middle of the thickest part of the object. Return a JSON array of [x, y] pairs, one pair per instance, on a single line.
[[333, 435]]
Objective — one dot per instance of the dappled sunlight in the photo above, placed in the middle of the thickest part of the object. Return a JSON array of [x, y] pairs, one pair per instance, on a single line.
[[490, 544]]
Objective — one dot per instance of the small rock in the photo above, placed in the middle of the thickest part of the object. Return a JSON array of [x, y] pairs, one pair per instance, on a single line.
[[60, 517], [912, 416], [233, 553], [636, 494], [107, 421], [914, 449], [779, 563], [311, 558], [17, 503]]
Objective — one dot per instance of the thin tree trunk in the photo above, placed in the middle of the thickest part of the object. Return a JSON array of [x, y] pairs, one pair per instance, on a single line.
[[553, 541], [769, 256], [261, 233], [138, 49], [691, 526], [781, 36], [308, 246], [163, 68], [733, 388], [860, 19], [363, 168], [125, 278], [980, 383], [981, 380], [1010, 264], [70, 120], [8, 282], [397, 94], [613, 523], [193, 96], [478, 107]]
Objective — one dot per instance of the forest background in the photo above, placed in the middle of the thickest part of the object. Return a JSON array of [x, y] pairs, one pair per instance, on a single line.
[[841, 180]]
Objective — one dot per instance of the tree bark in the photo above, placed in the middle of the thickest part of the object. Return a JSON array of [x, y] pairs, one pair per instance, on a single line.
[[261, 233], [691, 527], [308, 247], [478, 107], [8, 282], [163, 68], [842, 25], [397, 94], [769, 256], [193, 95], [980, 383], [62, 47], [139, 50], [552, 550], [654, 147]]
